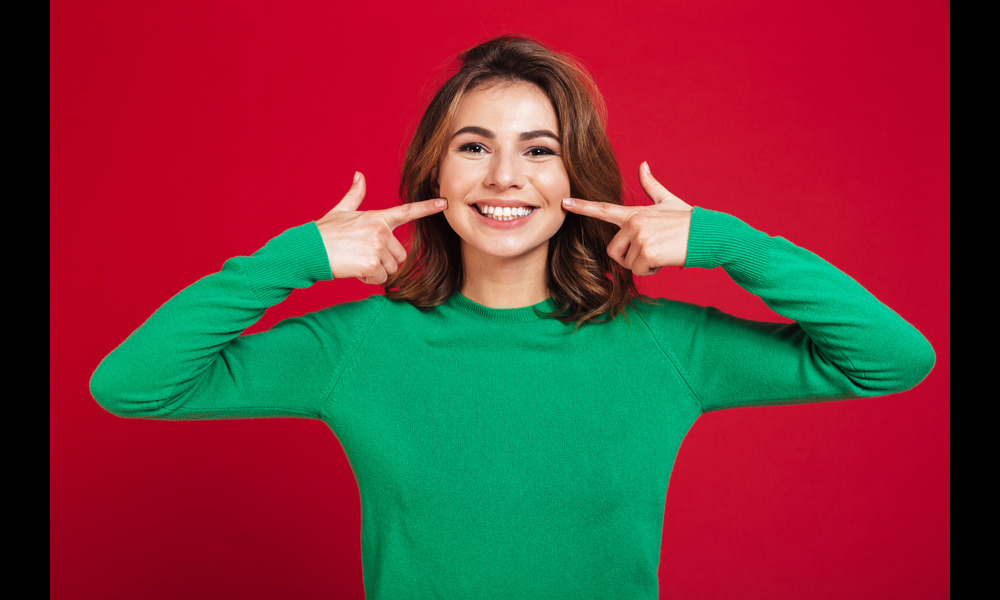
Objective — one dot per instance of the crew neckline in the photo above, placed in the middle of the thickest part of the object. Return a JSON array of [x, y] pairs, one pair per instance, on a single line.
[[507, 315]]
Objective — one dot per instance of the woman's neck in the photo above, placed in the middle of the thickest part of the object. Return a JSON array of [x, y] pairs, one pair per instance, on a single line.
[[505, 282]]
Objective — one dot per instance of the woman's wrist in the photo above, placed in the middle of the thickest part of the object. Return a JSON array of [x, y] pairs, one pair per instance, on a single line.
[[718, 239]]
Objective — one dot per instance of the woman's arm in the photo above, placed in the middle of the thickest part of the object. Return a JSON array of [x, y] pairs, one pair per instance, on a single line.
[[189, 359], [843, 343]]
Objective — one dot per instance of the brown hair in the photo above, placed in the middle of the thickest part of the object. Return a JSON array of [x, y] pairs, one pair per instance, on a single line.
[[585, 282]]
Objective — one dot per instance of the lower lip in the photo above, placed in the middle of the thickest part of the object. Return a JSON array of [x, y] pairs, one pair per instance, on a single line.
[[497, 224]]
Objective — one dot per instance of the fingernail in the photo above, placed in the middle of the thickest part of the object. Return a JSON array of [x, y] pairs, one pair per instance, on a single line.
[[440, 203], [645, 167], [357, 176], [569, 202]]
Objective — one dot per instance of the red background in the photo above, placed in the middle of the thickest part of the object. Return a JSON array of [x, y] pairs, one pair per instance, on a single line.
[[183, 133]]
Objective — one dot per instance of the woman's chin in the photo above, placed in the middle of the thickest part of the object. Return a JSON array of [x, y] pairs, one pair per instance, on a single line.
[[499, 253]]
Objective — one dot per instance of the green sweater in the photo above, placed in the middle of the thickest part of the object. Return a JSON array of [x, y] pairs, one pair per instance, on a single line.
[[499, 452]]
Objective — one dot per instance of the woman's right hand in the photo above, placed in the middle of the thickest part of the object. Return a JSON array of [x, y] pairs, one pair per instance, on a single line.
[[360, 243]]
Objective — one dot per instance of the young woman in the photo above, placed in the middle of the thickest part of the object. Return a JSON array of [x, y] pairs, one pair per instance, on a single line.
[[510, 406]]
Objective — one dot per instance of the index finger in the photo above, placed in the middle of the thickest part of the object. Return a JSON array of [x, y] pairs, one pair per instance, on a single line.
[[411, 211], [605, 211]]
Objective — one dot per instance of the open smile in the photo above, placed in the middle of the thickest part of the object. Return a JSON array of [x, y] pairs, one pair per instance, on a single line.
[[503, 213]]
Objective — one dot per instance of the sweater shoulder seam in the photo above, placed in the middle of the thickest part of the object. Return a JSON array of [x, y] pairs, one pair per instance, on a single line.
[[669, 356], [329, 399]]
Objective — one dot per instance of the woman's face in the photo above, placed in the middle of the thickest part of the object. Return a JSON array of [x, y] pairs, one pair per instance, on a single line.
[[503, 174]]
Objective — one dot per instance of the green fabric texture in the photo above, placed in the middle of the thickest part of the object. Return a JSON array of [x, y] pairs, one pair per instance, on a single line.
[[499, 452]]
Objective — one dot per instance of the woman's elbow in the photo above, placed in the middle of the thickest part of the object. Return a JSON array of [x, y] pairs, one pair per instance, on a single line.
[[113, 392], [917, 364], [910, 363], [107, 391]]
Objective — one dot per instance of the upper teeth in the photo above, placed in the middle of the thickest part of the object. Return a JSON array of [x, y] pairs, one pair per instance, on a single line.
[[504, 213]]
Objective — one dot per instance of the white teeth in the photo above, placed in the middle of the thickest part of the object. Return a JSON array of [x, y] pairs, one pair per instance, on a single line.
[[504, 213]]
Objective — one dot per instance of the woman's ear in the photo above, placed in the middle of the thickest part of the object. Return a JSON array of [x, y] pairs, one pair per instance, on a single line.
[[434, 182]]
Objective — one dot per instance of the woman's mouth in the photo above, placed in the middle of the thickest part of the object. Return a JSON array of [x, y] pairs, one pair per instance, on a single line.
[[503, 213]]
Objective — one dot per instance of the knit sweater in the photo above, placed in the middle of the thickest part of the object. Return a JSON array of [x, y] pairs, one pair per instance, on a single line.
[[501, 453]]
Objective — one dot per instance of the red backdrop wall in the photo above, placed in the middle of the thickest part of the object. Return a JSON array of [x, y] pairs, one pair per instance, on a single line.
[[184, 133]]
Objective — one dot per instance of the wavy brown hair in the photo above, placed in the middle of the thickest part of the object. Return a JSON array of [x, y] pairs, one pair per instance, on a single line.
[[585, 283]]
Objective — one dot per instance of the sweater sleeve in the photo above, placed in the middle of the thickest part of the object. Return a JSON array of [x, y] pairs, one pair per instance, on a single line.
[[842, 343], [190, 361]]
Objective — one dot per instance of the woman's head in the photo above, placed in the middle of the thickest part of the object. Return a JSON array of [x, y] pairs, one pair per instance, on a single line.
[[584, 282], [503, 175]]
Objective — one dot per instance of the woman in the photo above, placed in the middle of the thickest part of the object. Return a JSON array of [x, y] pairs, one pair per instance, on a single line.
[[510, 406]]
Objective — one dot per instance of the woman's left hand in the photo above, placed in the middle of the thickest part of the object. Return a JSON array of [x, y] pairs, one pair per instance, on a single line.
[[651, 236]]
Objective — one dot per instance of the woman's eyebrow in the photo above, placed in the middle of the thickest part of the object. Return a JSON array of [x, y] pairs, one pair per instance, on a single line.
[[486, 133], [527, 135], [530, 135]]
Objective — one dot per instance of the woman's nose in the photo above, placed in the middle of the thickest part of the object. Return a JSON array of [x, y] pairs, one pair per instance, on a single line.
[[505, 171]]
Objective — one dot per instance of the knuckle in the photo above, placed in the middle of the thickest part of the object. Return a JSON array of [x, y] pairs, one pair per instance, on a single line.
[[377, 227], [640, 221]]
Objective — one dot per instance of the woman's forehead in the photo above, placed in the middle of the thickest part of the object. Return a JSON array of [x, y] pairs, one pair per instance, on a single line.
[[506, 107]]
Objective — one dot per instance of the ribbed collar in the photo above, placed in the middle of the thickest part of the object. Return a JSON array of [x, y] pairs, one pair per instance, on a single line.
[[479, 312]]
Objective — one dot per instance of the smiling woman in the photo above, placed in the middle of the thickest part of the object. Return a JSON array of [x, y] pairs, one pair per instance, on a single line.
[[505, 182], [515, 121], [474, 482]]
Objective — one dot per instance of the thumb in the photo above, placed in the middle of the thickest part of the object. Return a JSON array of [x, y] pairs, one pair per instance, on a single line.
[[352, 199], [655, 190]]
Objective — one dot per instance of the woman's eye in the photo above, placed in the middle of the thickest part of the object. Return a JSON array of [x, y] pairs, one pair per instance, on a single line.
[[472, 148], [540, 151]]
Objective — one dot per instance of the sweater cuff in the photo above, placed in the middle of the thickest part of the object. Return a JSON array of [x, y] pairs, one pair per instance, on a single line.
[[717, 239], [294, 259]]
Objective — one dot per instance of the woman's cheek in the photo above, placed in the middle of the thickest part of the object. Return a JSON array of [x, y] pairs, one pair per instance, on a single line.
[[554, 186]]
